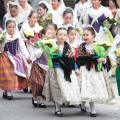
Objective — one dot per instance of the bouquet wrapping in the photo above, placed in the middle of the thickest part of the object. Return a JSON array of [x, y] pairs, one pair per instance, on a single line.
[[49, 47], [102, 50]]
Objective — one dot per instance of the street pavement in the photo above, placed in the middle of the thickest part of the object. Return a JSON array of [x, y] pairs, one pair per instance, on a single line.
[[20, 108]]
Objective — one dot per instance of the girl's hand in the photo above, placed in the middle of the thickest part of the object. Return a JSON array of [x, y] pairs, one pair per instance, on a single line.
[[101, 60], [1, 48], [27, 41], [29, 61], [77, 72]]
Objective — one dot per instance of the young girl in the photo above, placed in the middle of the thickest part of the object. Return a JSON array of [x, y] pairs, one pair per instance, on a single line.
[[61, 85], [71, 40], [54, 28], [31, 24], [38, 71], [70, 20], [46, 14], [13, 74], [12, 12], [95, 86]]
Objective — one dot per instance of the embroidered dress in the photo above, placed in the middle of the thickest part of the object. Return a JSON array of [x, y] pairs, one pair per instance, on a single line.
[[95, 86], [59, 89], [13, 72], [95, 18]]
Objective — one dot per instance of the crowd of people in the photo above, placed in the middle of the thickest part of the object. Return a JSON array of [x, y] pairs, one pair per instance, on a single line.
[[58, 52]]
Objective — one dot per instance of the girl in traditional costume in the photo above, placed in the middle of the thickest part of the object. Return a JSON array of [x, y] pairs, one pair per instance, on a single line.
[[33, 25], [46, 14], [70, 20], [61, 85], [38, 72], [96, 16], [95, 85], [71, 40], [13, 73], [12, 12], [59, 7]]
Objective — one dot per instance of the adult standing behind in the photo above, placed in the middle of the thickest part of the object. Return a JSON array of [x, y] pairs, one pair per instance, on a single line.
[[2, 11], [113, 6], [59, 7], [78, 8], [95, 17]]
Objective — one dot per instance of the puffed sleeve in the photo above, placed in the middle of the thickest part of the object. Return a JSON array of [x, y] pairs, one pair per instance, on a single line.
[[37, 53], [22, 48], [107, 12], [117, 17]]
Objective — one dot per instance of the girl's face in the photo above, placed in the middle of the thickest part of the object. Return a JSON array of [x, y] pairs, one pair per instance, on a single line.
[[83, 1], [49, 34], [96, 3], [41, 11], [61, 36], [22, 2], [72, 36], [111, 3], [53, 30], [13, 12], [55, 4], [33, 19], [68, 18], [11, 27], [88, 37]]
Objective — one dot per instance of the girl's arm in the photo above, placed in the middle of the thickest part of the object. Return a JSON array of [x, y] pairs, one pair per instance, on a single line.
[[37, 53]]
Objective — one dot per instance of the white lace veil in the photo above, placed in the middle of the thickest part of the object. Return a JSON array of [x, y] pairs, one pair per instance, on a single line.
[[75, 20], [20, 8], [8, 8], [50, 10]]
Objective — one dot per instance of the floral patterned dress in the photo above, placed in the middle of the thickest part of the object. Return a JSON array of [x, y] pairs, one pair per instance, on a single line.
[[95, 86]]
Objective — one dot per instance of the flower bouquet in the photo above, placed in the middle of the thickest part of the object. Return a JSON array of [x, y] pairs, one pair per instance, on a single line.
[[29, 33], [78, 29], [101, 49], [118, 53], [107, 24], [48, 46], [2, 39]]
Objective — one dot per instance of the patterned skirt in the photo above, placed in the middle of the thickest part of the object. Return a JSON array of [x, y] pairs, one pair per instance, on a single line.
[[8, 79], [57, 89], [37, 78], [95, 86]]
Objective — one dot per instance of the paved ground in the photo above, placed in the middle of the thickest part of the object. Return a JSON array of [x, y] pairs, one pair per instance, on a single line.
[[20, 108]]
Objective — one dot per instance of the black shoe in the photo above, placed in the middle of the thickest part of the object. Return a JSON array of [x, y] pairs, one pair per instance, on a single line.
[[93, 114], [72, 106], [4, 95], [30, 90], [59, 113], [33, 102], [25, 90], [42, 105], [9, 97], [83, 110]]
